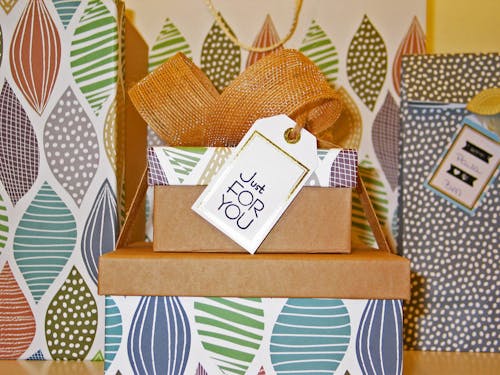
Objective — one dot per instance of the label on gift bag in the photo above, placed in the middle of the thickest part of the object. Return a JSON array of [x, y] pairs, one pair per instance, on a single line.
[[468, 167], [255, 186]]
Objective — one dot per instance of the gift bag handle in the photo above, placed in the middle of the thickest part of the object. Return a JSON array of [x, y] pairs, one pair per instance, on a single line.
[[140, 194]]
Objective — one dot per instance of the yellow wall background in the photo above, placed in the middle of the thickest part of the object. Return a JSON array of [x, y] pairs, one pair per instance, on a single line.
[[463, 26]]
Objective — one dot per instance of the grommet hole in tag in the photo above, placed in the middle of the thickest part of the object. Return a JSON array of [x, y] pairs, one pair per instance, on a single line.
[[292, 136]]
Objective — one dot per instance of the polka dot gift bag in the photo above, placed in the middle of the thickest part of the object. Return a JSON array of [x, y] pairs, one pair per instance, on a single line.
[[449, 201]]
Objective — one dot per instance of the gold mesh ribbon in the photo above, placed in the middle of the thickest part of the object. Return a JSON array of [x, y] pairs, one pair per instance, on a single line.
[[184, 108]]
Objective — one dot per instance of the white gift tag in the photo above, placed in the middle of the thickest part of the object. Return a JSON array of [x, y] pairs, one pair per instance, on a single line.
[[255, 186]]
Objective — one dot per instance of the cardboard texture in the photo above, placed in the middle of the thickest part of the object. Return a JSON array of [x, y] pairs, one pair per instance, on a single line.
[[368, 273], [318, 220]]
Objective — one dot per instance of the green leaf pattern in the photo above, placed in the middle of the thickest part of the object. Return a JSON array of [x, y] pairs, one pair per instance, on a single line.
[[231, 330], [320, 49], [94, 54], [169, 42]]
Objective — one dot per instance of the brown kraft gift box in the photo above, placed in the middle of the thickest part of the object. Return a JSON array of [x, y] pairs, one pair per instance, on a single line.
[[317, 221]]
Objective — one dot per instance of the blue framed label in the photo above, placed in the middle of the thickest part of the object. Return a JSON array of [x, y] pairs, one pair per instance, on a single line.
[[467, 167]]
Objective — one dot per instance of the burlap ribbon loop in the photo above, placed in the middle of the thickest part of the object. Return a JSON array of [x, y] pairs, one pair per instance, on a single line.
[[183, 107]]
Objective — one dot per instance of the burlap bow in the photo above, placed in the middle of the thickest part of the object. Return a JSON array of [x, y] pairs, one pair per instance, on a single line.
[[184, 108]]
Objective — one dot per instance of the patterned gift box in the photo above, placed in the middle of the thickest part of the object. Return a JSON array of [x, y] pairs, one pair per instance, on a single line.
[[258, 336], [357, 332], [454, 253], [60, 173]]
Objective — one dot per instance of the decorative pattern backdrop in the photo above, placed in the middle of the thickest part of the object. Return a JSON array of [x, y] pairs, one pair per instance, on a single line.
[[59, 72]]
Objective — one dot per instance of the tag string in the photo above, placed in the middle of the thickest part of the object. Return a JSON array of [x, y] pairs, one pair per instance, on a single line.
[[230, 35]]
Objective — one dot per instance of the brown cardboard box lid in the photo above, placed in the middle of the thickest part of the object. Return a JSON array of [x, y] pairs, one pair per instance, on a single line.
[[364, 274]]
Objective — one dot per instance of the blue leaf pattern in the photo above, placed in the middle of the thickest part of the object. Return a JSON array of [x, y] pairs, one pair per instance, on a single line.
[[160, 338], [101, 228], [379, 345]]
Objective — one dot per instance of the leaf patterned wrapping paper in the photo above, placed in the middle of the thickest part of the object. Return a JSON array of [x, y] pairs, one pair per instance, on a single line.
[[414, 43], [114, 331], [44, 240], [71, 319], [71, 146], [160, 339], [94, 54], [320, 49], [17, 322], [385, 137], [169, 42], [367, 63], [35, 54], [52, 166], [66, 9], [4, 224], [267, 37], [1, 46], [379, 344], [230, 330], [220, 58], [18, 146], [7, 5], [310, 336], [101, 229]]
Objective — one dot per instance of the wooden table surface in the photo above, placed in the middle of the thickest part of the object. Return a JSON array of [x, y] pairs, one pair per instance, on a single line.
[[415, 363]]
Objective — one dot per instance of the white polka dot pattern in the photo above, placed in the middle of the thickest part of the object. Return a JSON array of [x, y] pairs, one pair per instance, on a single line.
[[454, 256], [71, 146]]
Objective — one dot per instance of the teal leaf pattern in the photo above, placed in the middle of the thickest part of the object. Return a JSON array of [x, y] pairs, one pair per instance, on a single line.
[[184, 159], [169, 42], [4, 224], [94, 54], [231, 330], [367, 63], [310, 336], [66, 9], [220, 58], [71, 319], [101, 229], [113, 332], [320, 49], [71, 146], [44, 240], [361, 231]]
